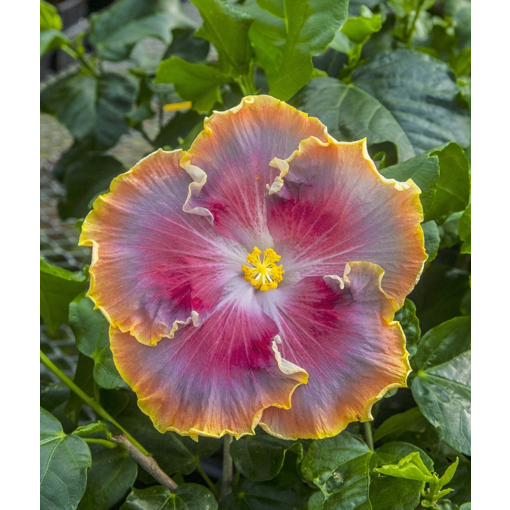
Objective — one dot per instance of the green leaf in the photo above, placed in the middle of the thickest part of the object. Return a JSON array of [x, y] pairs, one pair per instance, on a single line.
[[421, 93], [359, 29], [465, 506], [286, 34], [432, 239], [461, 62], [343, 468], [116, 29], [399, 423], [227, 29], [261, 457], [448, 285], [50, 18], [90, 107], [285, 492], [351, 114], [392, 493], [410, 324], [64, 462], [410, 468], [443, 343], [448, 231], [51, 40], [112, 474], [424, 171], [465, 230], [197, 83], [442, 175], [461, 482], [91, 428], [449, 473], [91, 330], [174, 453], [88, 175], [177, 129], [58, 288], [442, 389], [453, 187], [187, 46], [189, 496]]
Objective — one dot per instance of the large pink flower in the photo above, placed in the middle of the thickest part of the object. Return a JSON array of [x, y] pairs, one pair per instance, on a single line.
[[254, 278]]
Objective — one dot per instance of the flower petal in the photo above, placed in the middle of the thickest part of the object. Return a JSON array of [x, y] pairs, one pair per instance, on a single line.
[[346, 340], [235, 150], [334, 207], [154, 266], [212, 380]]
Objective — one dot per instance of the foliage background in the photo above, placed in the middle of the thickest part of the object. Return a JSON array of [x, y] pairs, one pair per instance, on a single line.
[[397, 72]]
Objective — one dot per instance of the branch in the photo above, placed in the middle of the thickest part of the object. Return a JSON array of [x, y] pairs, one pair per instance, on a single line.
[[149, 464]]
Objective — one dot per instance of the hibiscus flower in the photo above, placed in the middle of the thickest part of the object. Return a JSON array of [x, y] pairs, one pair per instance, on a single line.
[[253, 279]]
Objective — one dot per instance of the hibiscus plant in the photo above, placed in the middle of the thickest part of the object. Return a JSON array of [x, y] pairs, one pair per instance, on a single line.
[[276, 310]]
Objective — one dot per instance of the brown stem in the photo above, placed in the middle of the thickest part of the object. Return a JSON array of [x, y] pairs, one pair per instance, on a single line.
[[148, 463]]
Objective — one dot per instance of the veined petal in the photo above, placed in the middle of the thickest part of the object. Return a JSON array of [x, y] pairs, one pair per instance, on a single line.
[[212, 380], [345, 338], [334, 207], [235, 150], [154, 267]]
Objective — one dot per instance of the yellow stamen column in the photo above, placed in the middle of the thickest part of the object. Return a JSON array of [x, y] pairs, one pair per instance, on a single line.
[[263, 274]]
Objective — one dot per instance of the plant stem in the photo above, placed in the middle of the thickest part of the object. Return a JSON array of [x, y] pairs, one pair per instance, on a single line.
[[208, 481], [411, 30], [246, 82], [102, 442], [91, 402], [368, 434], [148, 463], [80, 58], [228, 468]]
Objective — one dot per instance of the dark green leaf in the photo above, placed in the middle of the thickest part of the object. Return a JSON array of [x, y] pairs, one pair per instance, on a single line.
[[84, 379], [50, 19], [387, 493], [189, 496], [116, 29], [64, 462], [260, 457], [227, 29], [58, 288], [443, 343], [442, 175], [187, 46], [465, 506], [85, 178], [351, 114], [89, 107], [197, 83], [460, 11], [53, 394], [359, 29], [424, 171], [432, 239], [343, 468], [410, 324], [285, 35], [448, 285], [285, 492], [177, 129], [453, 187], [399, 423], [91, 330], [448, 231], [465, 230], [112, 474], [421, 93], [442, 389]]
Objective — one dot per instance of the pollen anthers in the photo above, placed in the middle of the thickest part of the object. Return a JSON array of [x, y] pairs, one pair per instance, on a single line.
[[264, 274]]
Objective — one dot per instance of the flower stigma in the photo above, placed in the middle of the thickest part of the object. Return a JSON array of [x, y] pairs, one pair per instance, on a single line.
[[265, 274]]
